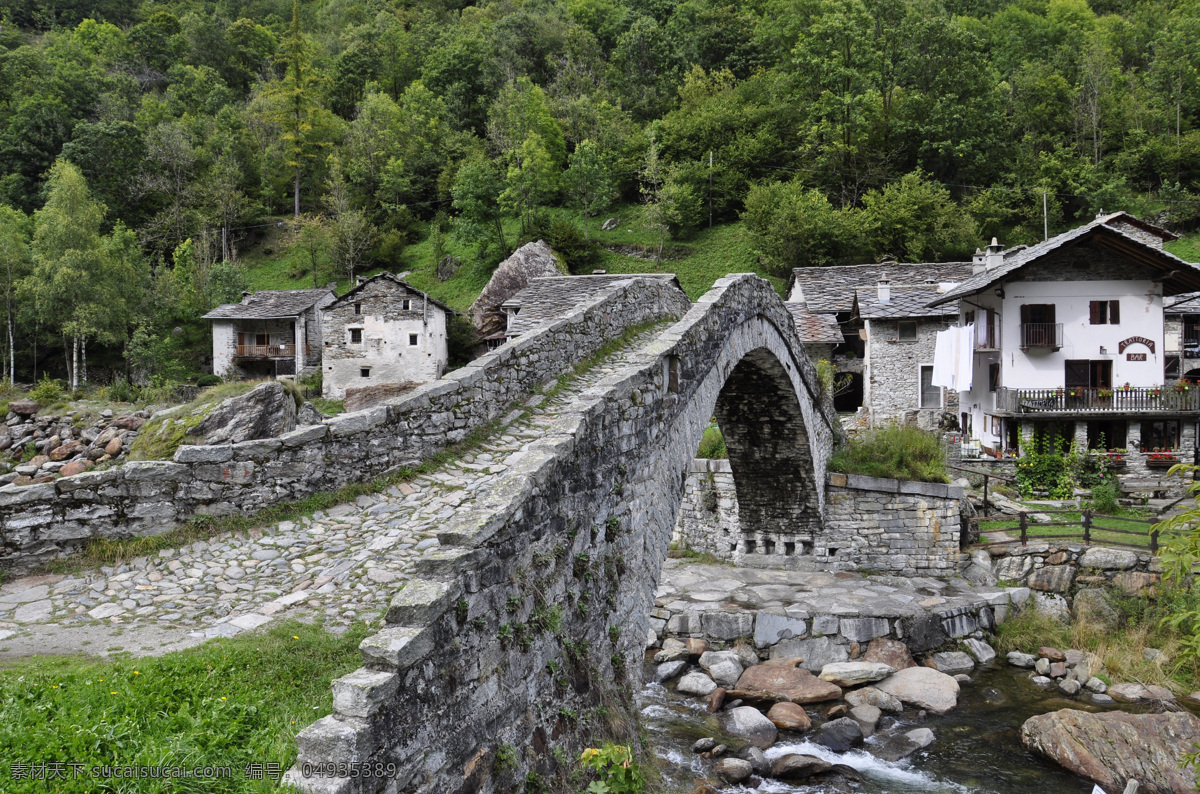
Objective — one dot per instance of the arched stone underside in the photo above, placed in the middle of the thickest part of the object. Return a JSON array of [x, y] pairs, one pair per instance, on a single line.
[[534, 610]]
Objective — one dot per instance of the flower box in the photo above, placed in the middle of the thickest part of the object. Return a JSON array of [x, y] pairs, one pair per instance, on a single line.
[[1161, 462]]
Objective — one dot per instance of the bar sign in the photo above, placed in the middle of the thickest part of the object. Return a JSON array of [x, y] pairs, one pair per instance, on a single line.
[[1135, 356]]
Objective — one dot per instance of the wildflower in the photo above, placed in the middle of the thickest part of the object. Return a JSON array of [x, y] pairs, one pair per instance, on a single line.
[[222, 698], [112, 693]]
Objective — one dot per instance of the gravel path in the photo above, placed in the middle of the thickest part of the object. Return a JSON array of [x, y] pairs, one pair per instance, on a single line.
[[341, 565]]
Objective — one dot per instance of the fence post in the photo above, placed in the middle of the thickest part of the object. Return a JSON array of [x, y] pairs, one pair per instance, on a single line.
[[1087, 527], [1154, 541], [1024, 527], [985, 499]]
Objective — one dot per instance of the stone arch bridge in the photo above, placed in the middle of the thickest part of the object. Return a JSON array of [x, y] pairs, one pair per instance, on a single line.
[[525, 628]]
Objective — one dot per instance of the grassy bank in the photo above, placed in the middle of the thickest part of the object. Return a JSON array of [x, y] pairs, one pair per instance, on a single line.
[[232, 702], [1127, 521], [1139, 627]]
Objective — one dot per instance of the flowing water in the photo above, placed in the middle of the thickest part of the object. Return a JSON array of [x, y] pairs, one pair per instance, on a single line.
[[978, 747]]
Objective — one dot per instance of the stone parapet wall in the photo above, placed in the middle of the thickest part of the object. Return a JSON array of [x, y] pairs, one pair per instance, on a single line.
[[1064, 569], [41, 522], [869, 522], [533, 612]]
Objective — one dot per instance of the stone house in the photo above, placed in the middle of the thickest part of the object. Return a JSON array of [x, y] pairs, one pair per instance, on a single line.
[[548, 298], [887, 332], [271, 333], [383, 331], [1071, 343]]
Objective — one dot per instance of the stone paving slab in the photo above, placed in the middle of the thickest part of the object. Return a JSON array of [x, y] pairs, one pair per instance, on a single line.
[[722, 603], [341, 565]]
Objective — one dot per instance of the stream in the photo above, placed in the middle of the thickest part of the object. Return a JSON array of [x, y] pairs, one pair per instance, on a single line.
[[978, 746]]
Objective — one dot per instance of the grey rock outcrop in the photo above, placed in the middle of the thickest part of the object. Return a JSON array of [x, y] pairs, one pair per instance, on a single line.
[[530, 261], [308, 415], [266, 411]]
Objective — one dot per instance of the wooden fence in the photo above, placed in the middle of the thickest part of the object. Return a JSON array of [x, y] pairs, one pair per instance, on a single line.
[[1082, 528]]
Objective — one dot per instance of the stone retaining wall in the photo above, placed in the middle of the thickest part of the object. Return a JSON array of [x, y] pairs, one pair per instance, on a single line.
[[40, 522], [534, 610], [1064, 569], [869, 522]]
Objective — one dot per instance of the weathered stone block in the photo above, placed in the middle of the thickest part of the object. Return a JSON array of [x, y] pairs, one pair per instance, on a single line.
[[363, 692]]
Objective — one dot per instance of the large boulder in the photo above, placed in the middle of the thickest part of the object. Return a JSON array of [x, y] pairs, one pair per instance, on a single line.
[[793, 683], [839, 735], [789, 717], [893, 653], [1140, 693], [23, 407], [870, 696], [266, 411], [1108, 559], [795, 766], [747, 722], [733, 770], [816, 652], [695, 684], [723, 666], [922, 687], [1115, 747], [530, 261]]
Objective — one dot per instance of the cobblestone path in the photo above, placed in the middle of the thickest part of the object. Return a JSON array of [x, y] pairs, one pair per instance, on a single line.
[[341, 565]]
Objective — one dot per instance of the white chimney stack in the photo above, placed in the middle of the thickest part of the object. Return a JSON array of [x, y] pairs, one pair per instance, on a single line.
[[884, 288], [994, 256]]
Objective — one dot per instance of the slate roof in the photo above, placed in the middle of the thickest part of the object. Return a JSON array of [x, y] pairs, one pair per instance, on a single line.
[[815, 328], [1187, 303], [1151, 256], [270, 304], [401, 282], [832, 289], [549, 297], [906, 301]]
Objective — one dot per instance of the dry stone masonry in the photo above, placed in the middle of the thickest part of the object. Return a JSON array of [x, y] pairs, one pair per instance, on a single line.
[[40, 522], [534, 608]]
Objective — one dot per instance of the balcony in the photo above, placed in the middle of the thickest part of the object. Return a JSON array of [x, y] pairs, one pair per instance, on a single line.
[[267, 351], [1165, 400], [986, 339], [1041, 336]]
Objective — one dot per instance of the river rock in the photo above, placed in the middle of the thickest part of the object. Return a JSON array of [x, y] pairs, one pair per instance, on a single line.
[[1090, 606], [758, 760], [1069, 686], [695, 647], [695, 684], [893, 653], [1052, 578], [1042, 666], [723, 666], [870, 696], [867, 718], [839, 735], [1053, 605], [671, 655], [733, 770], [1108, 559], [1042, 681], [924, 688], [983, 653], [1053, 654], [1139, 693], [795, 766], [794, 683], [789, 717], [815, 652], [1096, 685], [851, 674], [266, 411], [704, 745], [668, 670], [1114, 747], [747, 722], [716, 700], [1018, 659], [902, 745], [951, 662]]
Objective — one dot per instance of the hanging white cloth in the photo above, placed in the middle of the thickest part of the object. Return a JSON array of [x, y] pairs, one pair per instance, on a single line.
[[944, 358], [965, 367]]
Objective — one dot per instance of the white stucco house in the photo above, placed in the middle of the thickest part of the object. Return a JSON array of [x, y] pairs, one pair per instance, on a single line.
[[271, 333], [383, 331], [1070, 342]]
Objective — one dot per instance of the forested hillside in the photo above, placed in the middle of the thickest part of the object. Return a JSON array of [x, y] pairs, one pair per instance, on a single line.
[[146, 148]]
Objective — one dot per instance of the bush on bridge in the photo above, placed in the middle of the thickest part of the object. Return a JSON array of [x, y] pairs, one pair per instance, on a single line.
[[901, 452]]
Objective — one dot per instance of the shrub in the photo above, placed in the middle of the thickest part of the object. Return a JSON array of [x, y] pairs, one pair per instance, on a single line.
[[47, 391], [902, 452], [619, 773], [204, 381], [712, 444], [1105, 495]]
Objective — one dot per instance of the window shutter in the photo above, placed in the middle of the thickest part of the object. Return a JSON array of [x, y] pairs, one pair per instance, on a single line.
[[1024, 314], [1097, 317], [1078, 373], [1114, 312], [1050, 313]]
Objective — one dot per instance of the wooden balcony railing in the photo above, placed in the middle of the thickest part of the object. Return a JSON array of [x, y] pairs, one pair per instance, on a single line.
[[268, 351], [1041, 335], [1167, 399]]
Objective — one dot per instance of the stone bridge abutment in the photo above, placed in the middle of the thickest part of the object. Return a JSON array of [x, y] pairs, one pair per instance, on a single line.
[[524, 632]]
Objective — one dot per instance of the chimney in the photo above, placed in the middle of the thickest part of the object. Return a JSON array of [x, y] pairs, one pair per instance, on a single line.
[[246, 296], [994, 256], [599, 272], [978, 263], [884, 288]]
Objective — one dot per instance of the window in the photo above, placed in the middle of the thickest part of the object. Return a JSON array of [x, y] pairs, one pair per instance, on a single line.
[[1083, 374], [405, 304], [1160, 434], [358, 308], [1037, 313], [356, 336], [365, 372], [1105, 312], [1107, 434], [1049, 437], [906, 331], [969, 317], [412, 340], [993, 377], [931, 396]]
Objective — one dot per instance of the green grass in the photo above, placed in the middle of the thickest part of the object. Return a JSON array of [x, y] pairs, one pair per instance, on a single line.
[[229, 702], [697, 261], [902, 452], [1186, 248]]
